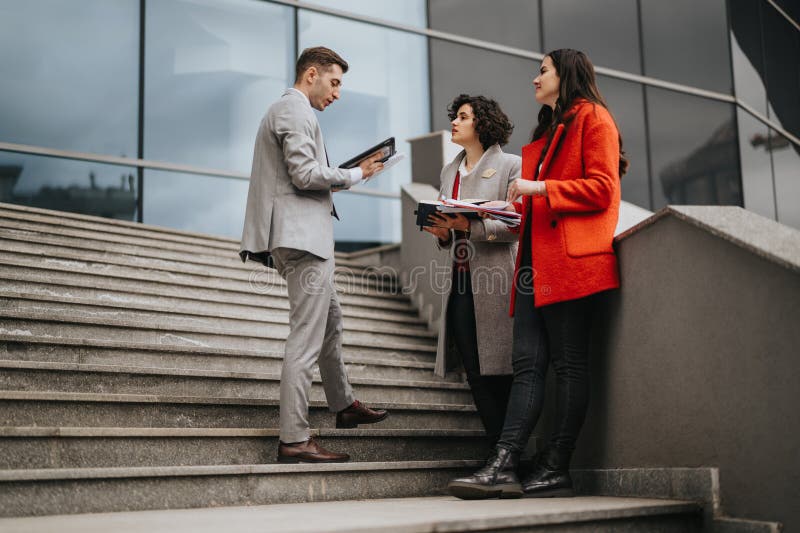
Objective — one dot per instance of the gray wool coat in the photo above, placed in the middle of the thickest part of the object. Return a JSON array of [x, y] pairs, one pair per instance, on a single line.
[[491, 264]]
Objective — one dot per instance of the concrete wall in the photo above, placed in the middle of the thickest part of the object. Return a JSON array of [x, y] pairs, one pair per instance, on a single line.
[[698, 360], [420, 258]]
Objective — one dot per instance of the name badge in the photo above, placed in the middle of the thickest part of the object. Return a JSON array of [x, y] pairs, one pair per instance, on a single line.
[[488, 173]]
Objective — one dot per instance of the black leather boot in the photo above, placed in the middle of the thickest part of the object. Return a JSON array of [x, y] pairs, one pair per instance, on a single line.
[[550, 476], [498, 479]]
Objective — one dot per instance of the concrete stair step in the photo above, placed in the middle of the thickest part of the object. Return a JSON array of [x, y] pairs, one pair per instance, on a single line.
[[88, 447], [66, 218], [92, 351], [67, 321], [107, 230], [43, 234], [87, 490], [345, 276], [120, 233], [407, 515], [261, 280], [36, 408], [119, 288], [65, 377], [257, 287], [180, 310]]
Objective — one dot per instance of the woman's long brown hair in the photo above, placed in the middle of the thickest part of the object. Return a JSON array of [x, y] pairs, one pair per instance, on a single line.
[[577, 81]]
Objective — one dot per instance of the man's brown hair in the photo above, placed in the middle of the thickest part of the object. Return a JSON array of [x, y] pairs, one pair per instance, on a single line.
[[319, 56]]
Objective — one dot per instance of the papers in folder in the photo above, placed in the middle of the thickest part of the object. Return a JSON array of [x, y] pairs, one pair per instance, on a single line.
[[471, 209], [509, 218]]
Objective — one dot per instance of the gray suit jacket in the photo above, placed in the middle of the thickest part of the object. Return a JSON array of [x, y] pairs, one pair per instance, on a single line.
[[491, 265], [289, 201]]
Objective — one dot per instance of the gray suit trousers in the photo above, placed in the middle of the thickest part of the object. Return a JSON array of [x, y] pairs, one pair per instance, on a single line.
[[315, 336]]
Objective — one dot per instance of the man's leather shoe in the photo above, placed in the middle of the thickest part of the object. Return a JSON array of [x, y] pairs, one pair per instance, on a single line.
[[497, 479], [550, 476], [308, 451], [358, 413]]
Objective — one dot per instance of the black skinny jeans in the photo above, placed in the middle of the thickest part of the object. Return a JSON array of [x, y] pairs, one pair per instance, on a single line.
[[557, 333], [490, 393]]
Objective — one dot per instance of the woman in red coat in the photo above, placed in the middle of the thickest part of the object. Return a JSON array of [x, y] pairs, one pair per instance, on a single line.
[[569, 195]]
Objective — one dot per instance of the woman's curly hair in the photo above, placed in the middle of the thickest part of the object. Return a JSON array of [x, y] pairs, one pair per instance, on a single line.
[[491, 124]]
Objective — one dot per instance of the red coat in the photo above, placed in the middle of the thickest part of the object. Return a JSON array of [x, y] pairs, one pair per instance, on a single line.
[[572, 229]]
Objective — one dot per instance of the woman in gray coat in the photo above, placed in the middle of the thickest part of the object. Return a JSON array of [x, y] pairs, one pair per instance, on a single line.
[[476, 330]]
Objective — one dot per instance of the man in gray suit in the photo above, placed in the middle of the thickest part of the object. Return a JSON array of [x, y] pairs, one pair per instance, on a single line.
[[288, 224]]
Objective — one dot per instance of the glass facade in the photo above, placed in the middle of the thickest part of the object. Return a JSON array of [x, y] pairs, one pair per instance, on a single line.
[[208, 70], [379, 99]]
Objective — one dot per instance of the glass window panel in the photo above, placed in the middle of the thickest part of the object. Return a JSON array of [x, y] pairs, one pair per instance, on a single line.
[[212, 70], [517, 25], [606, 30], [505, 78], [626, 101], [782, 53], [748, 53], [754, 150], [70, 74], [380, 98], [686, 42], [791, 8], [693, 150], [408, 12], [193, 202], [66, 185], [786, 162]]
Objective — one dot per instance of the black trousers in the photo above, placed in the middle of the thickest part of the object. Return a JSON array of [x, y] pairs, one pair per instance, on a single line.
[[557, 334], [490, 393]]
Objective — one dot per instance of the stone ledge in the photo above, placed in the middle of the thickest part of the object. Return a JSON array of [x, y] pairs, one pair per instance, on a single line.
[[52, 474], [213, 401]]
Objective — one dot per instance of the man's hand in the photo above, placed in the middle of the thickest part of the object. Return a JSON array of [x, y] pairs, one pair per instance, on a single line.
[[525, 188], [449, 221], [443, 234], [371, 165]]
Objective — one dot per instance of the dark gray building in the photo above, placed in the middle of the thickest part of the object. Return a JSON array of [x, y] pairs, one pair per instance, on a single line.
[[147, 110]]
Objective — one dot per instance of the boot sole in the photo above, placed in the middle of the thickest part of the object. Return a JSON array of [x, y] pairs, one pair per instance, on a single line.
[[339, 425], [468, 491], [295, 460], [550, 493]]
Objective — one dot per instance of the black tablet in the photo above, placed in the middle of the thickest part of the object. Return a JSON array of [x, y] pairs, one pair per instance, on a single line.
[[386, 148]]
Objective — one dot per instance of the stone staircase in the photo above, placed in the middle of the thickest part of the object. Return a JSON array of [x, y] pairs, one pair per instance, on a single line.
[[139, 370]]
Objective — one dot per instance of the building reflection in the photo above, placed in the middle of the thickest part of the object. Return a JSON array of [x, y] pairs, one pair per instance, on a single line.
[[112, 202]]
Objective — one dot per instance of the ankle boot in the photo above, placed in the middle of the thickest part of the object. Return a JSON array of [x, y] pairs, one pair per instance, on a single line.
[[497, 479], [550, 476]]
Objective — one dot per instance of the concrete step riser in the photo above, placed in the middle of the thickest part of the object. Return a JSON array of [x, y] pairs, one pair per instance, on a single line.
[[261, 281], [344, 275], [220, 313], [155, 338], [106, 495], [193, 296], [121, 383], [51, 235], [349, 294], [57, 307], [357, 368], [79, 452], [17, 413]]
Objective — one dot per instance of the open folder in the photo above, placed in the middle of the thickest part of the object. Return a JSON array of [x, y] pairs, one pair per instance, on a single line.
[[389, 157], [468, 208], [386, 148]]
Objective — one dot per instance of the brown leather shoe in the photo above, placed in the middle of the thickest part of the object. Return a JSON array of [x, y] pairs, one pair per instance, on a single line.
[[308, 452], [358, 413]]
